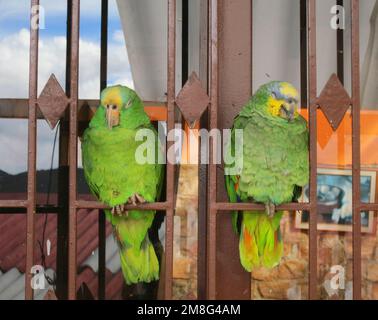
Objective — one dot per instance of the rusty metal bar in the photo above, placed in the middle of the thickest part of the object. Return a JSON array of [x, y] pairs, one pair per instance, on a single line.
[[303, 53], [13, 203], [234, 90], [212, 194], [101, 213], [63, 178], [340, 48], [226, 206], [171, 94], [18, 108], [32, 150], [356, 156], [87, 204], [72, 246], [202, 168], [312, 84], [368, 207]]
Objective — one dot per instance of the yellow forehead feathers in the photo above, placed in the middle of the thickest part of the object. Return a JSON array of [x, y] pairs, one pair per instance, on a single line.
[[288, 90], [112, 97], [274, 104]]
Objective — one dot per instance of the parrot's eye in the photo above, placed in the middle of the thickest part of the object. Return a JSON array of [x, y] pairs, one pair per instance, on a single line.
[[290, 100], [114, 107], [107, 106]]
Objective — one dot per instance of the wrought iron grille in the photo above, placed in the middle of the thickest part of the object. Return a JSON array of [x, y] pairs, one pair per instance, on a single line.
[[223, 67]]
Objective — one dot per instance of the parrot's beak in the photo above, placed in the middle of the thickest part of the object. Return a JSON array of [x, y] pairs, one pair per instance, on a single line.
[[288, 111], [112, 116]]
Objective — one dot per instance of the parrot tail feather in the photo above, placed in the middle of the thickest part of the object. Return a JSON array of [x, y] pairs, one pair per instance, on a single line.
[[260, 242], [139, 264]]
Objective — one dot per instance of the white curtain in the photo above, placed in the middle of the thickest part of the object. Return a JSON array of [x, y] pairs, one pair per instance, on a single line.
[[369, 85], [276, 45]]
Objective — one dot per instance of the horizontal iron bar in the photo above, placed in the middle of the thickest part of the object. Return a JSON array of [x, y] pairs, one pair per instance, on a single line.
[[22, 210], [18, 108], [85, 204], [13, 203], [368, 207], [226, 206]]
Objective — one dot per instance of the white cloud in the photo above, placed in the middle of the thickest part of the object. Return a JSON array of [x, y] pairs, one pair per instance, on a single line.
[[118, 36], [14, 64], [21, 8]]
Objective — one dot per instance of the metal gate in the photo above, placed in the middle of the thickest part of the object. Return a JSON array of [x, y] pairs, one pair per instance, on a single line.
[[224, 19]]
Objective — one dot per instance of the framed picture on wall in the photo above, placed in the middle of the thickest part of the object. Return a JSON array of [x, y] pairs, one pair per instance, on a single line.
[[334, 193]]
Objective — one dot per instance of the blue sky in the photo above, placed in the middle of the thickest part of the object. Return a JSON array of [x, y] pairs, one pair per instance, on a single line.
[[14, 16], [14, 67]]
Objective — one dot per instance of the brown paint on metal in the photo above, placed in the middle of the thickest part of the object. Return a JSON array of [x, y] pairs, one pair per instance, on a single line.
[[19, 109], [340, 48], [226, 206], [235, 89], [312, 84], [334, 101], [368, 206], [88, 204], [32, 150], [192, 99], [168, 263], [303, 53], [356, 160], [52, 101], [63, 178], [202, 168], [211, 246], [74, 75], [101, 213], [13, 203]]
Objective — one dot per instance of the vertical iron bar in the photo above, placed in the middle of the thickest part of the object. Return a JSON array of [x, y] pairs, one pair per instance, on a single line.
[[202, 168], [101, 216], [185, 41], [303, 53], [312, 83], [171, 93], [63, 189], [73, 150], [340, 48], [356, 165], [212, 195], [32, 133]]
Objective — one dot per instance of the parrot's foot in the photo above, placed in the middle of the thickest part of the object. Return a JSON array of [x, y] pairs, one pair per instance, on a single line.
[[135, 199], [270, 209], [119, 210]]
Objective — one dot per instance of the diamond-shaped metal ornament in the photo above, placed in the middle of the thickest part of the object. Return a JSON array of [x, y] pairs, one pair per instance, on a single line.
[[192, 100], [52, 101], [334, 101]]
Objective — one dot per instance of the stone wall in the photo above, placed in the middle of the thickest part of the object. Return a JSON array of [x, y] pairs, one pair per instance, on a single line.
[[289, 280], [185, 235]]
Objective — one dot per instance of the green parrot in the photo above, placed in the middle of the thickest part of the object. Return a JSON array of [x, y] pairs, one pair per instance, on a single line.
[[116, 178], [274, 168]]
